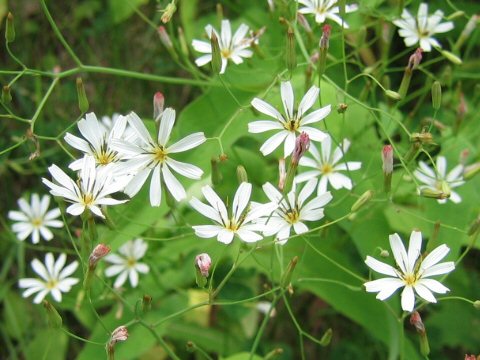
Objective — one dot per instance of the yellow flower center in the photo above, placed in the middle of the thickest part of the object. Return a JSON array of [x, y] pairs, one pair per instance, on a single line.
[[410, 279], [326, 168], [292, 216], [88, 200], [131, 262], [292, 125], [231, 225], [51, 284], [160, 154], [37, 222], [105, 158], [226, 53]]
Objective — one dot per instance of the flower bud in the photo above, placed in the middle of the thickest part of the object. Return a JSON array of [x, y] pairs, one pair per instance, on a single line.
[[183, 42], [474, 227], [100, 251], [470, 357], [434, 193], [324, 44], [119, 334], [342, 108], [168, 12], [436, 95], [415, 59], [287, 276], [158, 103], [9, 29], [455, 15], [164, 37], [302, 144], [467, 31], [241, 174], [54, 319], [476, 304], [416, 321], [217, 176], [82, 96], [393, 94], [413, 63], [282, 174], [303, 22], [326, 338], [203, 263], [451, 57], [387, 165], [6, 95], [216, 54], [471, 170], [291, 55], [422, 138], [362, 200]]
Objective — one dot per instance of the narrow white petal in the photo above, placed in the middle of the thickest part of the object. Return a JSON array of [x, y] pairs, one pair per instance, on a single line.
[[273, 142], [286, 92], [414, 250], [435, 256], [225, 236], [166, 124], [187, 143], [267, 109], [206, 210], [380, 267], [173, 185], [316, 116], [408, 299], [263, 125], [399, 252], [307, 101], [185, 169], [241, 199], [207, 231], [155, 187], [438, 269]]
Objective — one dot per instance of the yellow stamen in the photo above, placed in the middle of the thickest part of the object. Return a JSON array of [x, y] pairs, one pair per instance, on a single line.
[[51, 284], [326, 168], [160, 154], [410, 279], [36, 222], [292, 216], [226, 53]]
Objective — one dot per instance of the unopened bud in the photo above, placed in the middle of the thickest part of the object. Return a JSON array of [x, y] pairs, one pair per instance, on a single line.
[[241, 174], [436, 95], [53, 317], [164, 37], [387, 166], [362, 200], [303, 22], [451, 57], [158, 103], [393, 94], [476, 304], [119, 334], [100, 251], [455, 15], [82, 96], [415, 59], [291, 54], [287, 276], [416, 321], [422, 138], [435, 193], [9, 29], [302, 143], [341, 108], [471, 170], [216, 54], [474, 227], [467, 31], [183, 42], [203, 263], [470, 357], [282, 174], [324, 44], [168, 12], [146, 303], [216, 175], [273, 354], [384, 253], [326, 338], [6, 95]]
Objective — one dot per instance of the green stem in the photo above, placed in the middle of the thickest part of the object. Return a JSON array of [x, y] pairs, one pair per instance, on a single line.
[[42, 104]]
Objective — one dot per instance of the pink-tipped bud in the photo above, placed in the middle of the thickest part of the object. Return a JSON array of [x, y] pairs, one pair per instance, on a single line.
[[415, 59], [282, 173], [158, 103], [203, 263], [470, 357], [301, 146], [304, 23], [387, 159], [119, 334], [416, 321], [100, 251], [462, 108], [164, 38], [324, 40], [463, 158]]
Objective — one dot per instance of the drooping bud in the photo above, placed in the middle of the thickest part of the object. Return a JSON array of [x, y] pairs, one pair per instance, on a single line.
[[158, 103], [417, 322], [362, 200], [146, 303], [82, 96], [100, 251], [216, 176], [282, 174], [53, 317], [119, 334], [324, 44], [203, 263], [413, 63], [216, 54], [9, 29], [454, 59], [387, 166], [202, 266], [6, 95], [291, 54], [242, 175], [326, 338], [168, 12], [302, 144], [436, 95], [287, 276]]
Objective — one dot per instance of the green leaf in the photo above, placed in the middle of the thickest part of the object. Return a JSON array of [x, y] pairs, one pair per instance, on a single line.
[[123, 9]]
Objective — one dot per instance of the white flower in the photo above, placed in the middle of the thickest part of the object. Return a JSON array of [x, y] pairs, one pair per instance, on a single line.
[[127, 265], [422, 28], [412, 272], [325, 9], [439, 180], [240, 222], [231, 48], [54, 278], [93, 188], [327, 167], [292, 123], [293, 211], [98, 140], [34, 219], [154, 154]]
